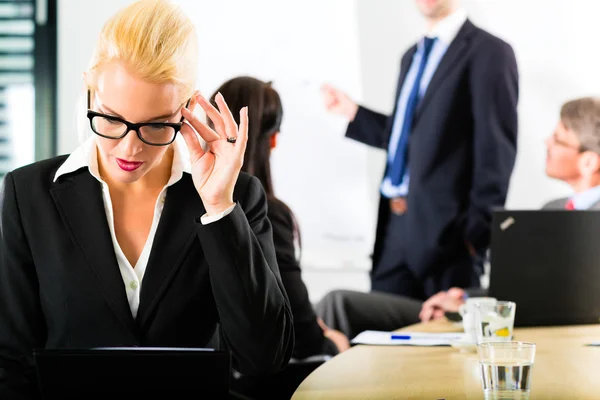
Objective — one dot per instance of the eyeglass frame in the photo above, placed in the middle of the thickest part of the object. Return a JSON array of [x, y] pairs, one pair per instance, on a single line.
[[131, 126], [562, 143]]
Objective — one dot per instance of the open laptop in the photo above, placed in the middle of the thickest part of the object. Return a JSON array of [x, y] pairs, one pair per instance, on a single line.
[[548, 263], [134, 372]]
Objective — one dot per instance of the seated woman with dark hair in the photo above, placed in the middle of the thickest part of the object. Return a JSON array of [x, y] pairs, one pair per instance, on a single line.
[[312, 337]]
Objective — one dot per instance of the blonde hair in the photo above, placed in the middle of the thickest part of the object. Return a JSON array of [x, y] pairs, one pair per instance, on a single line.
[[155, 40]]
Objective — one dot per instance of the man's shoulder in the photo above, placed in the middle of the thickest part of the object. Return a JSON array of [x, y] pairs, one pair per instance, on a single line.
[[486, 40], [555, 204]]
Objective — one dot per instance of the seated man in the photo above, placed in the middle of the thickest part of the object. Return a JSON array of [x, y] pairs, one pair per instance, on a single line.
[[573, 156]]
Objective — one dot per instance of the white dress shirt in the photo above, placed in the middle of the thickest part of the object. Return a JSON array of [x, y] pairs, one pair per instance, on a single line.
[[445, 31], [86, 156], [586, 199]]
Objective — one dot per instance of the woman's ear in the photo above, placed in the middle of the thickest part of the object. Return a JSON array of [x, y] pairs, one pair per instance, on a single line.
[[274, 140], [89, 79], [87, 83]]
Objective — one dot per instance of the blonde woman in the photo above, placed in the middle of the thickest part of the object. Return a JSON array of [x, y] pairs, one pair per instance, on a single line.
[[132, 240]]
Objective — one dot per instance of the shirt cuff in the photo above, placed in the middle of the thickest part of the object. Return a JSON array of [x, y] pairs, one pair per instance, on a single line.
[[208, 219]]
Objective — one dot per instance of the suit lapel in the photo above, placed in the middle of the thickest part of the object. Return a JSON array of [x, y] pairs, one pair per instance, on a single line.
[[175, 233], [455, 50], [78, 197], [404, 67]]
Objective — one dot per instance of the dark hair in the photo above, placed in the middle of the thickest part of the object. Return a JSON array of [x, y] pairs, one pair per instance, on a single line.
[[265, 113]]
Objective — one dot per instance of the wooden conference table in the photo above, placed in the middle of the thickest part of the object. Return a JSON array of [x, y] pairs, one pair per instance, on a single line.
[[564, 368]]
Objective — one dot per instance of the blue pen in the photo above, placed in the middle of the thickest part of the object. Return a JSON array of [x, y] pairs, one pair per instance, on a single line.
[[400, 337]]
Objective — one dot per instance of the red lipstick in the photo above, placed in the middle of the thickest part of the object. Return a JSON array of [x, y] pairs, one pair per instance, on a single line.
[[128, 166]]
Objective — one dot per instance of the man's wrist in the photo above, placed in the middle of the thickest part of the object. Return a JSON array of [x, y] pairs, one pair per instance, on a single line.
[[352, 111]]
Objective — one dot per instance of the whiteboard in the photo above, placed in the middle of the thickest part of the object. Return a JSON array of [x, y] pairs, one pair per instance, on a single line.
[[322, 176]]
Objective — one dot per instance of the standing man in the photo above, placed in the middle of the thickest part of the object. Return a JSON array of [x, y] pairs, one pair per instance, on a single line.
[[451, 146]]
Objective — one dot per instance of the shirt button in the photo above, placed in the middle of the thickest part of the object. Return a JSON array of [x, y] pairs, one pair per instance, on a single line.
[[133, 285]]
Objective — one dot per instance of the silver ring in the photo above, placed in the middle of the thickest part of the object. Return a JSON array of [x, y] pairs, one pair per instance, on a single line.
[[231, 139]]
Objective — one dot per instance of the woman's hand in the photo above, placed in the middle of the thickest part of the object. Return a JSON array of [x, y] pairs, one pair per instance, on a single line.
[[216, 169]]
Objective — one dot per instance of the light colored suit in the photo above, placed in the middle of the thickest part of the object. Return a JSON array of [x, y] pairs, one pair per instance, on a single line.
[[559, 204]]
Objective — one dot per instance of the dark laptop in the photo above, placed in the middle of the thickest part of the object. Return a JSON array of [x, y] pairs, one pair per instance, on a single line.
[[548, 263], [134, 372]]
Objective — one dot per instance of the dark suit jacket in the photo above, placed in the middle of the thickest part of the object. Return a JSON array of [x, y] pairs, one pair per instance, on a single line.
[[60, 285], [309, 339], [461, 150]]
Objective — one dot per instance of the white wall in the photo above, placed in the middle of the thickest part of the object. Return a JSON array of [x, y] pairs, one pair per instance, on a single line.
[[77, 34], [323, 177], [320, 175], [554, 41]]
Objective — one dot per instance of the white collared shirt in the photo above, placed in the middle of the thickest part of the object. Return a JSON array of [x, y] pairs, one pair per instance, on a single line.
[[586, 199], [447, 29], [86, 156]]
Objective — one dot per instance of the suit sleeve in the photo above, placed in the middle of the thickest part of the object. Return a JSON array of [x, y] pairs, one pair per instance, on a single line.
[[22, 326], [309, 339], [256, 322], [494, 88], [372, 128], [368, 127]]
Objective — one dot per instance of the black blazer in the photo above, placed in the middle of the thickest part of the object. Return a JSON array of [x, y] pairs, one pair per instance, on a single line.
[[60, 285], [461, 150], [309, 339]]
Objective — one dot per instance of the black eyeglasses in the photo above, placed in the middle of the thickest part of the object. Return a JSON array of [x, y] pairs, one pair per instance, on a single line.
[[151, 133]]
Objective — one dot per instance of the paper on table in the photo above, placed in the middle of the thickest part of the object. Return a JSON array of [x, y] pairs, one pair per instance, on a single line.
[[407, 338], [593, 344]]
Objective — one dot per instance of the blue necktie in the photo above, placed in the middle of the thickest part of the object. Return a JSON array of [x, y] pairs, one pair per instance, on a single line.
[[397, 169]]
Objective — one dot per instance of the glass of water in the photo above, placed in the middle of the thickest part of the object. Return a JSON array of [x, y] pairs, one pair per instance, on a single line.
[[494, 322], [506, 369]]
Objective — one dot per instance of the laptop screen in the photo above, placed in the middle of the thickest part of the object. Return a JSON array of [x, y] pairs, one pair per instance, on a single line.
[[546, 261]]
